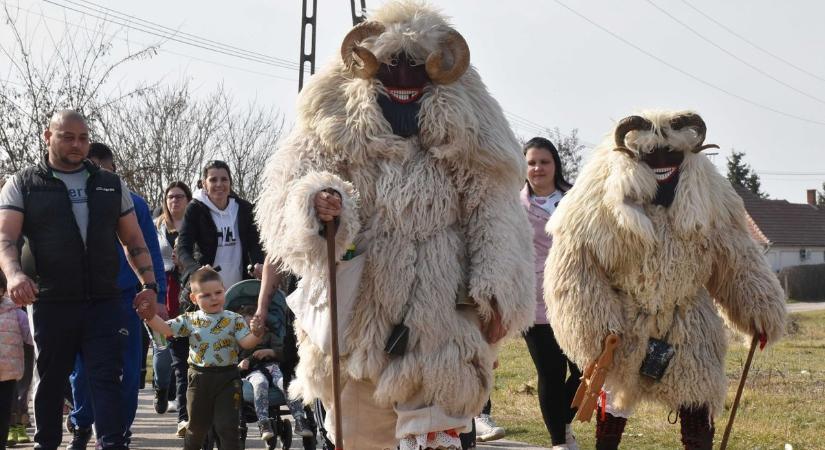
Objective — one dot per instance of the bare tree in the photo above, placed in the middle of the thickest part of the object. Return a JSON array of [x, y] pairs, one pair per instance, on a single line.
[[72, 72], [159, 134], [163, 135], [250, 136], [570, 151]]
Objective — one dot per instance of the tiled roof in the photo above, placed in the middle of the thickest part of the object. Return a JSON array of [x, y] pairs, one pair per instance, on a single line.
[[779, 222]]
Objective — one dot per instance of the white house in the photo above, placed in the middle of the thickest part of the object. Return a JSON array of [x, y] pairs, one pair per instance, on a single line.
[[792, 233]]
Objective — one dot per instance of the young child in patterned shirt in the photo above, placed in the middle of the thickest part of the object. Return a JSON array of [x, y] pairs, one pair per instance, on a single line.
[[213, 397]]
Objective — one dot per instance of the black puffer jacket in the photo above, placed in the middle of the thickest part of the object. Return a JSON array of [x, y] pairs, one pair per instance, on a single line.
[[197, 242]]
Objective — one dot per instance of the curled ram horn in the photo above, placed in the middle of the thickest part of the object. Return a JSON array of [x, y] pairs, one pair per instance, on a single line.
[[457, 46], [350, 47], [693, 121], [626, 125]]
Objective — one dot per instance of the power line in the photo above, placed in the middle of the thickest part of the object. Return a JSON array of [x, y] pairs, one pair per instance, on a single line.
[[733, 55], [180, 32], [171, 37], [686, 73], [751, 43], [195, 58], [801, 174]]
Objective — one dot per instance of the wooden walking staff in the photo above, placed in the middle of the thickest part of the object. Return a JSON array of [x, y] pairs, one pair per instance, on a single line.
[[592, 380], [739, 390], [333, 321]]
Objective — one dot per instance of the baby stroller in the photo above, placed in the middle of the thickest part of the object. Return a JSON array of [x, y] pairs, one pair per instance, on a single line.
[[246, 293]]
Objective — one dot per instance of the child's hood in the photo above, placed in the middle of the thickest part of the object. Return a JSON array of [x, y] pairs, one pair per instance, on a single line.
[[7, 305]]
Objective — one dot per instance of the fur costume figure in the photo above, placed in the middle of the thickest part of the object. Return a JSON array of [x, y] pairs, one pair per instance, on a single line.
[[429, 173], [652, 243]]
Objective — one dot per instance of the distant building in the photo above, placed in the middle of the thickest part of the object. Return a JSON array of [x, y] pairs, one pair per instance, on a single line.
[[792, 234]]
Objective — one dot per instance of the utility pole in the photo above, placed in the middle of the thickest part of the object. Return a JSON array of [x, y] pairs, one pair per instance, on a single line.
[[359, 15], [307, 21]]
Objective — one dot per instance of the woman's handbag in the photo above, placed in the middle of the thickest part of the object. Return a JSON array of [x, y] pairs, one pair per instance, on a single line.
[[311, 308]]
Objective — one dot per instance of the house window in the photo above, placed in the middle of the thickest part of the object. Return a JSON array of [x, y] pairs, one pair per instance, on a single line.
[[803, 254]]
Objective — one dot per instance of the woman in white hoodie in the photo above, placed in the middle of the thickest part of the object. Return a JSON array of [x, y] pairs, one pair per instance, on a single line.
[[219, 229]]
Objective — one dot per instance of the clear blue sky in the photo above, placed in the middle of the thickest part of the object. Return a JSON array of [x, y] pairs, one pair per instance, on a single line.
[[545, 63]]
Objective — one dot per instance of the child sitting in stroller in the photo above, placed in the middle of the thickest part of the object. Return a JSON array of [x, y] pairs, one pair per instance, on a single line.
[[259, 366]]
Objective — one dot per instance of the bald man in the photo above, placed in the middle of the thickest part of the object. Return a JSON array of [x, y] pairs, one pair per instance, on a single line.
[[73, 216]]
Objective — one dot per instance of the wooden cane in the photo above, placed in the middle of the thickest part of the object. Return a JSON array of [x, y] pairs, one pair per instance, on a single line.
[[333, 322], [742, 380]]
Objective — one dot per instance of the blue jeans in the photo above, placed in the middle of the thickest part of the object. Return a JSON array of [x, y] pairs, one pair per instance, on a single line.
[[130, 344], [161, 366], [63, 331]]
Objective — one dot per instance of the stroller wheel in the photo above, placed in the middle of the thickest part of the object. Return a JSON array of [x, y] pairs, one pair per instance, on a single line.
[[310, 443], [284, 432], [69, 424]]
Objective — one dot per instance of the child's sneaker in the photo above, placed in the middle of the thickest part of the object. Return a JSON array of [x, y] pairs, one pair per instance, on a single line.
[[303, 427], [11, 441], [182, 428], [266, 429], [21, 436]]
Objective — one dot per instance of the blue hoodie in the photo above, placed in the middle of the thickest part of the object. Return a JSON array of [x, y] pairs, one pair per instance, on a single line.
[[126, 279]]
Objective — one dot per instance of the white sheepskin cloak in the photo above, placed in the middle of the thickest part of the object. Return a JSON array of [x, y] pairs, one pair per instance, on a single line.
[[432, 213], [621, 264]]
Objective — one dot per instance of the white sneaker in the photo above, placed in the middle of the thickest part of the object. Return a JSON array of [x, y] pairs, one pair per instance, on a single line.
[[182, 428], [487, 430], [570, 438], [173, 406], [562, 447]]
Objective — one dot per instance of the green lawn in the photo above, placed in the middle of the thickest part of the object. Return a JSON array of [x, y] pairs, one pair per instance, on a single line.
[[783, 402]]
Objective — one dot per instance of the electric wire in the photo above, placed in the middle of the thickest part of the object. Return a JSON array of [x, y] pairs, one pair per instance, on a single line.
[[164, 28], [733, 55], [159, 49], [751, 43], [686, 73], [170, 37]]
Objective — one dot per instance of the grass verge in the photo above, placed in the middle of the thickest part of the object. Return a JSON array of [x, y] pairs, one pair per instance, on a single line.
[[782, 402]]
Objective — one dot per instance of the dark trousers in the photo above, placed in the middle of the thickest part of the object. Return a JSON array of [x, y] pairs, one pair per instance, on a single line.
[[179, 349], [62, 330], [8, 390], [130, 337], [214, 401], [556, 389]]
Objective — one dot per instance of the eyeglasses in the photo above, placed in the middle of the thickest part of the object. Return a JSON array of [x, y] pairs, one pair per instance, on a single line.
[[175, 197]]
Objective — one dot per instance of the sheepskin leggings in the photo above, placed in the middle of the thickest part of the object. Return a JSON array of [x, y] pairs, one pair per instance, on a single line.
[[697, 429], [609, 429], [555, 388], [369, 426]]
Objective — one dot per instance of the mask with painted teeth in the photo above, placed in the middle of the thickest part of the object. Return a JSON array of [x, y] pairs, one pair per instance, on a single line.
[[665, 164], [404, 81]]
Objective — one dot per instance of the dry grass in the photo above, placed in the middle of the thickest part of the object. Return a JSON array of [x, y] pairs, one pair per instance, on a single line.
[[782, 403]]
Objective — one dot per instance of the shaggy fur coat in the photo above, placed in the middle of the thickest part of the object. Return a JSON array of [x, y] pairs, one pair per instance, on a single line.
[[432, 213], [624, 265]]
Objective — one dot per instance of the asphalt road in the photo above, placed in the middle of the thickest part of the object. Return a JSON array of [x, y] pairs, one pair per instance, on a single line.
[[153, 431]]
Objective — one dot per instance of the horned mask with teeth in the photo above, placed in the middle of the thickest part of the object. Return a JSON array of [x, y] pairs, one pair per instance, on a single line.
[[655, 148], [405, 71]]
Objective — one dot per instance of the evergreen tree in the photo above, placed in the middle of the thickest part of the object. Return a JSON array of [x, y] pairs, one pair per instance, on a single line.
[[740, 173]]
